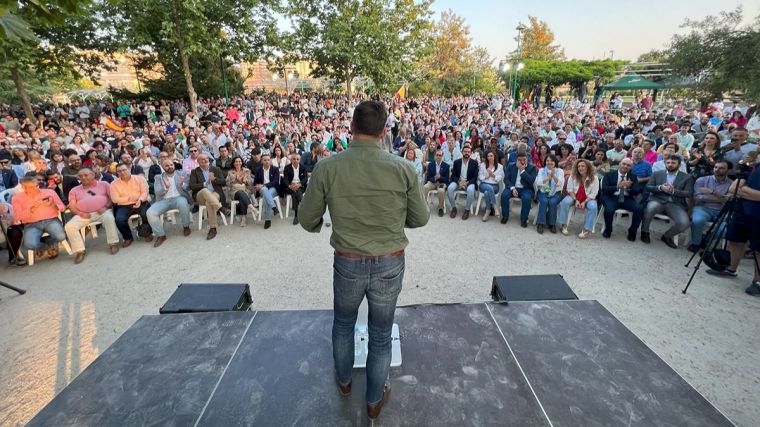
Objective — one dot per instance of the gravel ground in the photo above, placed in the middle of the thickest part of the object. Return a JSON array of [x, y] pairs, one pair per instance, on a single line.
[[73, 313]]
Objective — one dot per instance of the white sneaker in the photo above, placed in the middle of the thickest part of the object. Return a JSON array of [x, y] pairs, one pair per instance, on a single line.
[[583, 234], [563, 230], [486, 215], [243, 221]]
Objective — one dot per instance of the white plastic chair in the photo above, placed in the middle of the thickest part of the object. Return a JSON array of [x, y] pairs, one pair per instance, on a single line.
[[429, 197], [262, 207], [64, 243], [202, 213]]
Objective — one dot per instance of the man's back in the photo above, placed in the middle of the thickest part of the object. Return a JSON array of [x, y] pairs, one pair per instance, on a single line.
[[372, 196]]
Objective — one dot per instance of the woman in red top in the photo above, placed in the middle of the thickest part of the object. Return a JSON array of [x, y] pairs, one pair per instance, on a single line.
[[582, 190], [541, 152]]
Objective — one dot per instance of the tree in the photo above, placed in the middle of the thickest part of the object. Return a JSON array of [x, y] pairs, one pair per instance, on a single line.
[[345, 39], [451, 64], [54, 40], [653, 55], [537, 41], [718, 55], [574, 72], [175, 33]]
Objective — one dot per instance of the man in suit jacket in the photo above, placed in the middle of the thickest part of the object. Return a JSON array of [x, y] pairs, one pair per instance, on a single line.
[[207, 185], [295, 181], [437, 178], [266, 180], [518, 183], [619, 191], [669, 190], [464, 176], [171, 193]]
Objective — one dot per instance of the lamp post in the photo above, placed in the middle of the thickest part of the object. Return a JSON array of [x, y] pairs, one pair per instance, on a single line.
[[520, 28], [506, 65]]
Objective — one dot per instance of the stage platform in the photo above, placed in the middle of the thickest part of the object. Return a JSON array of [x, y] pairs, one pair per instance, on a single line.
[[560, 363]]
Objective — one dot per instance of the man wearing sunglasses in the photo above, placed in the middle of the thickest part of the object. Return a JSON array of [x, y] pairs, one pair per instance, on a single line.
[[89, 202], [8, 178]]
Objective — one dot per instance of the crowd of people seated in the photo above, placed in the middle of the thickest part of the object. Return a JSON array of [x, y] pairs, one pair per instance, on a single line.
[[68, 169]]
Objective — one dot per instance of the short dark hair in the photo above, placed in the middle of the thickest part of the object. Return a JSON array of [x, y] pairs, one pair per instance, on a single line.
[[370, 118], [314, 146], [674, 157]]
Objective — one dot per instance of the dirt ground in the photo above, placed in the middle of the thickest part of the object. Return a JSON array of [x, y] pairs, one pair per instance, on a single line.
[[72, 313]]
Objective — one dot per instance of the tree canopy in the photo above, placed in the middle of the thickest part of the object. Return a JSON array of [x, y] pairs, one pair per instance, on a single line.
[[451, 64], [538, 41], [718, 55], [345, 39]]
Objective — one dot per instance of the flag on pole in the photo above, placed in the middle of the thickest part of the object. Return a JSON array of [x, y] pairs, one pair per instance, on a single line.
[[401, 94], [112, 124]]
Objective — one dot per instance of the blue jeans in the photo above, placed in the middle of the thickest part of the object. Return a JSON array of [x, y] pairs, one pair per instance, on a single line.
[[268, 195], [379, 278], [700, 215], [526, 197], [489, 191], [564, 212], [162, 206], [33, 234], [547, 202], [454, 186]]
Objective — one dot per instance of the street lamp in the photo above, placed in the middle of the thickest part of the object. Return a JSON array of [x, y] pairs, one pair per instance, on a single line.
[[520, 28]]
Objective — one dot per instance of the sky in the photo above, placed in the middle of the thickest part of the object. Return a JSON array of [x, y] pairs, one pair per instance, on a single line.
[[587, 29]]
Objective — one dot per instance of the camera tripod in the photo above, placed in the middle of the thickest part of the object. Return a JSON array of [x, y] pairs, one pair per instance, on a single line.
[[3, 284], [724, 217]]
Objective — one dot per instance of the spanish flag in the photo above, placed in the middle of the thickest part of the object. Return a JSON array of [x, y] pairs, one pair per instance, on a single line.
[[112, 124], [401, 94]]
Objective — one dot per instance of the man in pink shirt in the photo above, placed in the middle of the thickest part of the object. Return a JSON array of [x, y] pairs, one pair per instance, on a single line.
[[89, 202], [38, 209]]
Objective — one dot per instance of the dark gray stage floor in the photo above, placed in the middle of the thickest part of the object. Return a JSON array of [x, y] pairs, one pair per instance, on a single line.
[[524, 364]]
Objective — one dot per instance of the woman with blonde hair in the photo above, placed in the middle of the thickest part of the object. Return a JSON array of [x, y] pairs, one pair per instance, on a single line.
[[582, 189]]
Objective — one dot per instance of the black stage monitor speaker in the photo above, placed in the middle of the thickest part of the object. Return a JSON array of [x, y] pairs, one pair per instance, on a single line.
[[205, 297], [531, 288]]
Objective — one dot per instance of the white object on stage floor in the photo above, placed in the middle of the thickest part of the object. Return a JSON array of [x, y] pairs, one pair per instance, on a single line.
[[361, 340]]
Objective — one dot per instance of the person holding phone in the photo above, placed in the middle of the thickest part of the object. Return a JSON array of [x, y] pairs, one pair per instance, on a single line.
[[38, 211]]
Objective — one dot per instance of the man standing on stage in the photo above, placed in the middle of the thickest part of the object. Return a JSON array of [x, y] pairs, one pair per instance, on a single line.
[[372, 195]]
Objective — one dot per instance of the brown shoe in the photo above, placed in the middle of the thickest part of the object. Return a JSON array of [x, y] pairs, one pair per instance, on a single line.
[[114, 249], [126, 243], [373, 411], [79, 258], [344, 390], [149, 238], [465, 215], [52, 253], [159, 241], [453, 213], [211, 233], [186, 231]]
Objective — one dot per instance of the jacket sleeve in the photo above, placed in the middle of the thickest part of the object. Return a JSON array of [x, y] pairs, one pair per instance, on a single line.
[[274, 183], [417, 212], [686, 188], [445, 172], [472, 178], [196, 183], [607, 188], [158, 186], [529, 176], [218, 176], [653, 184], [508, 182], [482, 175]]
